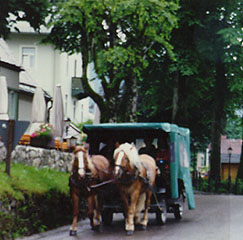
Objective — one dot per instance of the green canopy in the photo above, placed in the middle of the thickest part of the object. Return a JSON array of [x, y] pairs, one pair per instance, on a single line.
[[179, 147]]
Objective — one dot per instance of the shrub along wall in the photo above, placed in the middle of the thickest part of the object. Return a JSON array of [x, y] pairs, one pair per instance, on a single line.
[[33, 200], [36, 213]]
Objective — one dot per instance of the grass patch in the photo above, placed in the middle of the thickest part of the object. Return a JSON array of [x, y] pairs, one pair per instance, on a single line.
[[33, 200], [31, 180]]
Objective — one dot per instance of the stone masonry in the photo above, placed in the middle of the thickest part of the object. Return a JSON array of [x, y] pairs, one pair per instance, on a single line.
[[40, 157]]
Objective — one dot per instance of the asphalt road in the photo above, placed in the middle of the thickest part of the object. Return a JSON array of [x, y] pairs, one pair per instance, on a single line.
[[216, 217]]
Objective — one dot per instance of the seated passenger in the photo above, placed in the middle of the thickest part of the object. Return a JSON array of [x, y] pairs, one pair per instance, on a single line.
[[149, 147], [108, 150], [162, 160], [162, 152]]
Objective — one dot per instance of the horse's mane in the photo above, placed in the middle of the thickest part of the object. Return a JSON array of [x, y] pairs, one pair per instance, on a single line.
[[132, 154], [78, 149]]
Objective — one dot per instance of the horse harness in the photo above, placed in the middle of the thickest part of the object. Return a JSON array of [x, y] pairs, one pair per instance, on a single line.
[[88, 181], [129, 177]]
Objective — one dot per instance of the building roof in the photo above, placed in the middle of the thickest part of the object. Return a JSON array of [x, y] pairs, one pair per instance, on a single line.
[[24, 27], [7, 58]]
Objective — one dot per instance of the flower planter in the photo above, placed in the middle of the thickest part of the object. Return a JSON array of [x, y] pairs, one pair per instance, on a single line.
[[41, 141]]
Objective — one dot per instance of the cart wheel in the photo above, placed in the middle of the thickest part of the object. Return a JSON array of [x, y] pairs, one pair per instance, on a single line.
[[161, 217], [179, 208], [107, 217]]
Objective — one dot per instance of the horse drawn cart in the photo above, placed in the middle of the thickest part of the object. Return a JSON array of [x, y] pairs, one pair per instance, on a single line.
[[168, 144]]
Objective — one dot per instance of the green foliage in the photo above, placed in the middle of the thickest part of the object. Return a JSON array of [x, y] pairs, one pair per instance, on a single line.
[[34, 214], [33, 200], [233, 129], [239, 187], [223, 187], [31, 180], [32, 11], [80, 125], [118, 37], [207, 32], [45, 130]]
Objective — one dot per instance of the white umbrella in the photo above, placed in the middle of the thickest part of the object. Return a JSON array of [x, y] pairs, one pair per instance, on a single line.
[[3, 99], [38, 116], [58, 113]]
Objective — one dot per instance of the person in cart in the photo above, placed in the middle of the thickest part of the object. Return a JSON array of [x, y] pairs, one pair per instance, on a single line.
[[149, 147], [162, 157], [108, 149], [162, 151]]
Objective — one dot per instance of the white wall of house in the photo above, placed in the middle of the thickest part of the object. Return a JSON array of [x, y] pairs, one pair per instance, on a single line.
[[49, 67], [201, 161]]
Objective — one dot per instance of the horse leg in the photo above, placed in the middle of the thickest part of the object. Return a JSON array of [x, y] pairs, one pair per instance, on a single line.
[[139, 208], [75, 199], [91, 210], [125, 202], [144, 221], [94, 216], [97, 213], [131, 212]]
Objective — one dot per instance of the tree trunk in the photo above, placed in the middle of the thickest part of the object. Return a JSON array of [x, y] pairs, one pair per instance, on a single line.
[[134, 102], [175, 97], [220, 90], [240, 169]]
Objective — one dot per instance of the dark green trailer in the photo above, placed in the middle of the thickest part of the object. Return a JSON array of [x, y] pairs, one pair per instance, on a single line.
[[179, 177]]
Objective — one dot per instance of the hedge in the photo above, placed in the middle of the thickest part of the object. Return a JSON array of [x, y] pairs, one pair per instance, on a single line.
[[33, 200]]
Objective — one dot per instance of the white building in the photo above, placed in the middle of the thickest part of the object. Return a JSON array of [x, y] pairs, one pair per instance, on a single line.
[[47, 67]]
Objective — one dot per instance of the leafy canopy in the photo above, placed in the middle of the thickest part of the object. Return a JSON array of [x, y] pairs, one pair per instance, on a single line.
[[32, 11], [117, 36]]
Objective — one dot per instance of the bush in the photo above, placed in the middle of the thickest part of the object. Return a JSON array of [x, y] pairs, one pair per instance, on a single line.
[[222, 187], [239, 187], [33, 200]]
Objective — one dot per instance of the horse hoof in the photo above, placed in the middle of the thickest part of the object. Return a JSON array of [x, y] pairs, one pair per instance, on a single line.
[[143, 227], [73, 233], [129, 233], [96, 228]]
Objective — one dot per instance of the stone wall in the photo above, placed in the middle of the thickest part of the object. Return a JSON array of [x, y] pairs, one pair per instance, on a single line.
[[40, 157], [3, 152]]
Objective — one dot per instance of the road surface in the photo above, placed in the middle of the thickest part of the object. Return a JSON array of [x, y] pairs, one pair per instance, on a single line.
[[216, 217]]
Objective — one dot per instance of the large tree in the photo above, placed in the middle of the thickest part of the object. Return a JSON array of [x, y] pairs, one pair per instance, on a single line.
[[202, 86], [32, 11], [118, 37]]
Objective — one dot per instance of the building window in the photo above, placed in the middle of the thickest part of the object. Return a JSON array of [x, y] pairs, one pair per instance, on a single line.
[[202, 162], [13, 105], [28, 57]]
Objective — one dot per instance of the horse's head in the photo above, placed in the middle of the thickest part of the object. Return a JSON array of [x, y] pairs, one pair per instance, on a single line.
[[126, 159], [80, 160]]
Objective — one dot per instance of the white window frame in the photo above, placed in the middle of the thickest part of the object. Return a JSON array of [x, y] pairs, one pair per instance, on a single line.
[[28, 56]]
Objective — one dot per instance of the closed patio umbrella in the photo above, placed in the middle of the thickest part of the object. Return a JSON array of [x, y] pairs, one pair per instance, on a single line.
[[3, 99], [38, 116], [57, 120]]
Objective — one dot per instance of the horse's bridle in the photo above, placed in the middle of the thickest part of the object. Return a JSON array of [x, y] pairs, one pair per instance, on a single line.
[[125, 177], [125, 158]]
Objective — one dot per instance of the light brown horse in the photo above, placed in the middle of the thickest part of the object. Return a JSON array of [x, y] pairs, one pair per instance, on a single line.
[[87, 171], [135, 176]]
